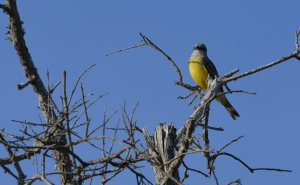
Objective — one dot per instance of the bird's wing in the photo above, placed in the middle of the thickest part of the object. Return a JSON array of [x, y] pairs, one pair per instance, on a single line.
[[210, 67]]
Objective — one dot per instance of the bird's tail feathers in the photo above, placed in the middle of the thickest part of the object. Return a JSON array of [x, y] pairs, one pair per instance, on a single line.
[[233, 113]]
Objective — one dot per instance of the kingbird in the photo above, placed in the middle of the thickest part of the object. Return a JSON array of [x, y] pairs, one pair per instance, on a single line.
[[200, 66]]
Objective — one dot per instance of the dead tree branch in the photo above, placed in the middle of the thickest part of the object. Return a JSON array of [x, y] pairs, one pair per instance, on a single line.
[[261, 68], [69, 126], [200, 114], [16, 31], [64, 129], [246, 165], [21, 175]]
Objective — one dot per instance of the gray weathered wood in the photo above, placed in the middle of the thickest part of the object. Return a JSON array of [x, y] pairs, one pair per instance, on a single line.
[[161, 148]]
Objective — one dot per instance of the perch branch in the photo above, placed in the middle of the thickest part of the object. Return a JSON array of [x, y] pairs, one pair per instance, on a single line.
[[261, 68], [152, 45]]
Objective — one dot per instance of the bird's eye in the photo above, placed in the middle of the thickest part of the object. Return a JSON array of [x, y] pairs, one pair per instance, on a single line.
[[201, 48]]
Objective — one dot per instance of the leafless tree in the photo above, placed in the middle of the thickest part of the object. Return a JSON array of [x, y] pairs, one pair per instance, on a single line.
[[61, 131], [67, 127]]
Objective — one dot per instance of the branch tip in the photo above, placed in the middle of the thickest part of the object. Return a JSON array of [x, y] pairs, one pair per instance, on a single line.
[[297, 39]]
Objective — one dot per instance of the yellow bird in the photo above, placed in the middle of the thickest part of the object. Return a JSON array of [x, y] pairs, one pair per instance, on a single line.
[[200, 66]]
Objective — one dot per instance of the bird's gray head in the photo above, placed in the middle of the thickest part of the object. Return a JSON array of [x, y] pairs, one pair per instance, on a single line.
[[200, 47]]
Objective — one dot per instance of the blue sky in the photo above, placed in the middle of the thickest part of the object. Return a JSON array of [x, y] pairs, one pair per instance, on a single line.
[[71, 35]]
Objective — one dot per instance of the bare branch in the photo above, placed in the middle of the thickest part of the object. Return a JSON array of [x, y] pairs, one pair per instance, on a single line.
[[54, 87], [226, 145], [191, 169], [297, 43], [39, 177], [26, 155], [17, 36], [7, 170], [23, 85], [127, 48], [140, 175], [4, 8], [152, 45], [276, 62], [236, 91], [78, 80], [104, 159], [200, 114], [210, 127], [214, 157], [236, 182], [87, 119], [71, 126], [297, 39], [21, 175], [66, 114], [185, 97], [231, 73], [215, 177], [205, 137]]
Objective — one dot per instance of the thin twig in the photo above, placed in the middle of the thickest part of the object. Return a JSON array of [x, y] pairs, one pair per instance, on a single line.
[[192, 101], [297, 39], [185, 97], [67, 114], [215, 177], [236, 91], [87, 119], [152, 45], [54, 87], [78, 80], [127, 48], [247, 166], [210, 127], [206, 140], [7, 170], [235, 182], [23, 85], [21, 175], [226, 145], [194, 170]]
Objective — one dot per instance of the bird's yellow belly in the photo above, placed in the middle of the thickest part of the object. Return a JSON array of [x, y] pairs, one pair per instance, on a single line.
[[198, 73]]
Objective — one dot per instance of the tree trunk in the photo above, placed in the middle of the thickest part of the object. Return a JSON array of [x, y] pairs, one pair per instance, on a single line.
[[61, 155], [161, 148]]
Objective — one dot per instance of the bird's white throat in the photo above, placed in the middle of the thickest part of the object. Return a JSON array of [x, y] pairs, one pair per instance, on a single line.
[[199, 53]]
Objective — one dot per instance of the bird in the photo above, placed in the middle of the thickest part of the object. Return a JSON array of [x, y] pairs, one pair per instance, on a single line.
[[200, 66]]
